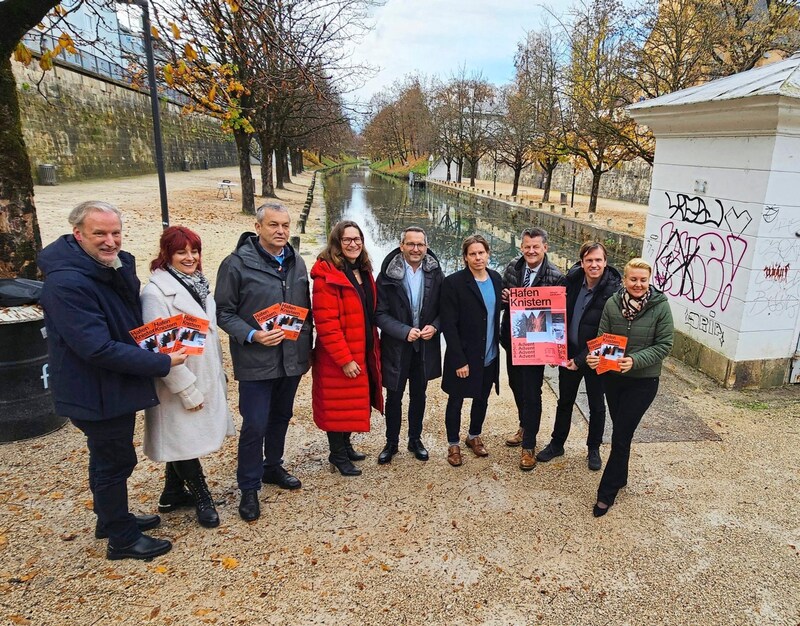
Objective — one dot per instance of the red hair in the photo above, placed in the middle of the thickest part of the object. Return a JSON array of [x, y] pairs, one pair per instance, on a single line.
[[172, 240]]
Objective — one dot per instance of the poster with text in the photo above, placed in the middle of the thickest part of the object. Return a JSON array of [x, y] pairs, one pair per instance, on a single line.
[[538, 325]]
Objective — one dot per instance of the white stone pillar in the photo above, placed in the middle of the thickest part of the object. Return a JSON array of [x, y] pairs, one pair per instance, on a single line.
[[723, 228]]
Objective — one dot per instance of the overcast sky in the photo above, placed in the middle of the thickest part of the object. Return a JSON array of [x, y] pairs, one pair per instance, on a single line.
[[438, 36]]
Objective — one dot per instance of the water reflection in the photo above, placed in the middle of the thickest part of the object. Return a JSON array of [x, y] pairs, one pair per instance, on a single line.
[[383, 206]]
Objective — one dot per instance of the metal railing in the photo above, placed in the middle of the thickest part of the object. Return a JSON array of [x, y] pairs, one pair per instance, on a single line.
[[98, 66]]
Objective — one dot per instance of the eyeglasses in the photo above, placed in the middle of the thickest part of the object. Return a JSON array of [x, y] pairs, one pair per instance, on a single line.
[[346, 241], [416, 246]]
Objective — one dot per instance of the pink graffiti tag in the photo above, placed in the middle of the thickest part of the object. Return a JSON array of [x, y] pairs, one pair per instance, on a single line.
[[777, 272], [701, 269]]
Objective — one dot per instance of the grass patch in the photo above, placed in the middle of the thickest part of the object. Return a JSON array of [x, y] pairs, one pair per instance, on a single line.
[[751, 405]]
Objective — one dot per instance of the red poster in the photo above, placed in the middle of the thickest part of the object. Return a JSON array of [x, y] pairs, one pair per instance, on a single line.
[[538, 325]]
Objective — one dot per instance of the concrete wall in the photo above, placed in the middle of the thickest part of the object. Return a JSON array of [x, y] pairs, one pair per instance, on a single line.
[[629, 181], [92, 128]]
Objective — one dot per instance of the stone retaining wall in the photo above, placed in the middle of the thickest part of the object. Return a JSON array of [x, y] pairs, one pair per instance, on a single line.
[[93, 128]]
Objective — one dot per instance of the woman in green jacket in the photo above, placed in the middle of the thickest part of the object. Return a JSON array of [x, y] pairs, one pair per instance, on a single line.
[[642, 314]]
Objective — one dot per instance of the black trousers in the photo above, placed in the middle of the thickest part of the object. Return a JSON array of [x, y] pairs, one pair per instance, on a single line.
[[628, 399], [112, 458], [526, 385], [417, 387], [568, 383], [477, 414]]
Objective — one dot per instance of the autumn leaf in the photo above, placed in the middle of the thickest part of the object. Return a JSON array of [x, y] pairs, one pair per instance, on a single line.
[[228, 562], [22, 54], [46, 61], [160, 569], [154, 33], [385, 567], [189, 52], [18, 619], [201, 612], [154, 613], [175, 30]]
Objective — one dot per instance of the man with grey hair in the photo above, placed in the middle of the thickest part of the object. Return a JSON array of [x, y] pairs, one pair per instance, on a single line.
[[100, 376], [529, 269], [408, 315], [262, 271]]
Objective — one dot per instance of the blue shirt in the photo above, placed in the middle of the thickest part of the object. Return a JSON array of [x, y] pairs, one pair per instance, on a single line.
[[413, 284], [490, 302]]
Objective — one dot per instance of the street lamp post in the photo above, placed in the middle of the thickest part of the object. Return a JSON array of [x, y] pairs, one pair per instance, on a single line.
[[430, 164], [574, 174], [151, 81]]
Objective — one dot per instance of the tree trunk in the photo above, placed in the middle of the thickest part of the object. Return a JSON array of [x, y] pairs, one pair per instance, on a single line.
[[284, 154], [460, 167], [596, 174], [246, 176], [517, 173], [278, 169], [20, 240], [448, 163], [267, 187], [300, 167], [473, 170], [548, 181]]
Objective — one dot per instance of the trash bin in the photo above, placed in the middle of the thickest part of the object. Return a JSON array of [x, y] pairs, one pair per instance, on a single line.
[[26, 405], [205, 164], [563, 199], [47, 174], [186, 165]]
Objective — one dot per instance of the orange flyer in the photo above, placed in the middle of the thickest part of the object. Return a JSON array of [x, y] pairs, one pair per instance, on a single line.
[[538, 325], [167, 332], [610, 348], [287, 316], [145, 337], [192, 334]]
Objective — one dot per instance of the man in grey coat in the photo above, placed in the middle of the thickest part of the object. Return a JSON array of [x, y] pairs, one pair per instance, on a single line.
[[408, 316], [264, 270]]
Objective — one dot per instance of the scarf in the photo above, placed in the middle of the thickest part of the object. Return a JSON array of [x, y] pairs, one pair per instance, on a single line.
[[196, 284], [632, 306]]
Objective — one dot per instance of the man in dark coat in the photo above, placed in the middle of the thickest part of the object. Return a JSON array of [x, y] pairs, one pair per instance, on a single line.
[[408, 316], [264, 270], [100, 376], [530, 269], [590, 283]]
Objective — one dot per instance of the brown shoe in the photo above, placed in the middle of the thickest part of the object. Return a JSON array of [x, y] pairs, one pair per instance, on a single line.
[[476, 445], [515, 440], [454, 455], [527, 461]]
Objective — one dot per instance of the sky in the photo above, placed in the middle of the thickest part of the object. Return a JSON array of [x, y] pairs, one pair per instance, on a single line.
[[437, 37]]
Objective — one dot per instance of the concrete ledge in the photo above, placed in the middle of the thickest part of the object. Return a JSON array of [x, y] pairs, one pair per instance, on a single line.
[[756, 374]]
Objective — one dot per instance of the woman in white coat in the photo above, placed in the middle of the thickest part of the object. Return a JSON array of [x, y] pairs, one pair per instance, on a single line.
[[192, 418]]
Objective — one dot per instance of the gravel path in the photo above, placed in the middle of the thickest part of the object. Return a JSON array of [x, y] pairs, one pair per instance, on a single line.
[[706, 532]]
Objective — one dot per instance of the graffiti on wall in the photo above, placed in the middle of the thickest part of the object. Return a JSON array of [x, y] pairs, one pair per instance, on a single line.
[[705, 324]]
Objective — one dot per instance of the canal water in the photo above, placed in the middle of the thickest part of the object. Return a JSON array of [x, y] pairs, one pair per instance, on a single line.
[[383, 206]]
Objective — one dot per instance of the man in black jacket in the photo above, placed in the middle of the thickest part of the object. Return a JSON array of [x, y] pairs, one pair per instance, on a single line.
[[590, 283], [408, 316], [530, 269]]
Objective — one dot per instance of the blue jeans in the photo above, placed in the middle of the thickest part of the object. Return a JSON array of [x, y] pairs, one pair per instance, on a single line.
[[266, 407], [112, 458]]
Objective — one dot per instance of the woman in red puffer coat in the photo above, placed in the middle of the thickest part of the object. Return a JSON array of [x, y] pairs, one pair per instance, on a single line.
[[346, 365]]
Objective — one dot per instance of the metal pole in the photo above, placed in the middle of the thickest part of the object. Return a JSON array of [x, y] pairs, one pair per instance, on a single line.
[[574, 172], [151, 81]]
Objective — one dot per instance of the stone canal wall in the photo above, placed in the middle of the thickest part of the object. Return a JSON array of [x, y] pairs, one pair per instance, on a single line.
[[93, 128], [629, 182]]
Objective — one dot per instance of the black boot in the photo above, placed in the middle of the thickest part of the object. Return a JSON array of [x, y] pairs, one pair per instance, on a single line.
[[174, 495], [389, 450], [352, 453], [338, 456], [192, 473]]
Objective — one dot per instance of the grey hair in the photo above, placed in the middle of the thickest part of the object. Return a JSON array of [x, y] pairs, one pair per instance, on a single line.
[[271, 206], [412, 229], [79, 213], [533, 233]]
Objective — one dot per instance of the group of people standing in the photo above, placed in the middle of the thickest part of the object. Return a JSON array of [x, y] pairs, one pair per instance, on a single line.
[[101, 378]]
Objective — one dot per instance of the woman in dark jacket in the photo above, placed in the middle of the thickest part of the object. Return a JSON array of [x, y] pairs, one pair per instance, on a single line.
[[346, 368], [641, 313], [470, 317]]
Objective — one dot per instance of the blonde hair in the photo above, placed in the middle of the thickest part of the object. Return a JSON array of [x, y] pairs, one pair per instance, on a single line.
[[637, 263]]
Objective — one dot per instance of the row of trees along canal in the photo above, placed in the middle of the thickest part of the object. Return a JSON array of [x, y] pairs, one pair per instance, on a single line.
[[270, 71], [572, 85]]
